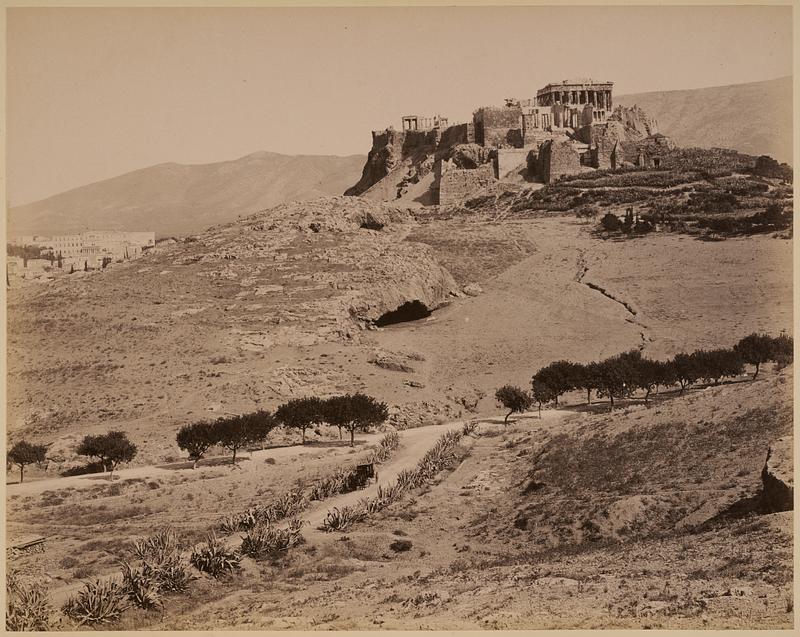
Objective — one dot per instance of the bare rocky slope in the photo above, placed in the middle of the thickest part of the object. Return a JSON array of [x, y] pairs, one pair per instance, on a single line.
[[753, 118], [179, 199]]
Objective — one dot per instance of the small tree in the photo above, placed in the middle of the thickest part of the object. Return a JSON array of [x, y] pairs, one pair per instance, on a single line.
[[514, 399], [755, 349], [60, 260], [715, 364], [301, 413], [357, 411], [235, 432], [686, 369], [24, 453], [333, 409], [782, 350], [616, 376], [560, 376], [196, 439], [110, 449], [542, 393]]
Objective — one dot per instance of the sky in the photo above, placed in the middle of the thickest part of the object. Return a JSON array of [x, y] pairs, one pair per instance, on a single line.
[[94, 93]]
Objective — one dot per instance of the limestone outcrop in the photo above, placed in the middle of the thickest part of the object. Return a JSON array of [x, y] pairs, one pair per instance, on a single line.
[[777, 476]]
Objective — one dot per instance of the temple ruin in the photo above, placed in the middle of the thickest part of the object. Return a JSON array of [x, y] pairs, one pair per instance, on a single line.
[[569, 127]]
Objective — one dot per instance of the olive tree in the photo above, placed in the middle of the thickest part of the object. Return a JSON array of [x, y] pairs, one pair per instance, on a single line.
[[110, 449], [356, 411], [301, 413], [24, 453], [514, 399], [196, 439]]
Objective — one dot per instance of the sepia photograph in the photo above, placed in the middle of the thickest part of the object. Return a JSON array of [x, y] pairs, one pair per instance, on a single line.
[[437, 318]]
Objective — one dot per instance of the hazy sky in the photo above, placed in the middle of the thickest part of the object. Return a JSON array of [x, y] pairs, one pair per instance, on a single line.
[[93, 93]]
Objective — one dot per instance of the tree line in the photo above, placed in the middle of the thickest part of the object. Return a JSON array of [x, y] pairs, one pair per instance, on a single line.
[[349, 412], [623, 375]]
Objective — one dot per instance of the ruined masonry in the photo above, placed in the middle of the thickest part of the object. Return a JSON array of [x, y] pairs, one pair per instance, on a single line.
[[568, 128]]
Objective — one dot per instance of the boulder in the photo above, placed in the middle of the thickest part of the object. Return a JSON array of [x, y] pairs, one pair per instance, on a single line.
[[777, 476]]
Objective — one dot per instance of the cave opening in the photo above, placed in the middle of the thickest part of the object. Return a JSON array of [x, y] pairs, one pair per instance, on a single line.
[[408, 311]]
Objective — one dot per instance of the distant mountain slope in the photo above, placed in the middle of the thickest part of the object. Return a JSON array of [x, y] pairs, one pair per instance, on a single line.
[[184, 199], [753, 118]]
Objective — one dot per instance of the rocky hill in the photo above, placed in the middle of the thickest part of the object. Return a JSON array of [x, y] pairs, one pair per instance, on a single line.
[[180, 199], [754, 118]]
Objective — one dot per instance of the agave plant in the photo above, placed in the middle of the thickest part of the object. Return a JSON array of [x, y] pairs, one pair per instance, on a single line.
[[265, 541], [28, 606], [214, 557], [98, 602], [339, 519], [159, 548], [141, 587]]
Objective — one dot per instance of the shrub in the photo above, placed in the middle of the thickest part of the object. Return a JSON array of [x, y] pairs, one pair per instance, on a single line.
[[214, 557], [98, 602], [514, 399], [400, 546], [24, 453], [610, 222], [110, 449], [264, 541], [28, 606]]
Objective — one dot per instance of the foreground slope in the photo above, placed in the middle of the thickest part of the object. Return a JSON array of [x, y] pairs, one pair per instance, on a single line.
[[178, 199], [753, 118], [647, 517]]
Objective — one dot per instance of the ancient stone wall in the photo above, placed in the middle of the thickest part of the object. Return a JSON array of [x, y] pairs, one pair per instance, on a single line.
[[509, 159], [458, 184], [457, 134], [557, 158], [499, 126]]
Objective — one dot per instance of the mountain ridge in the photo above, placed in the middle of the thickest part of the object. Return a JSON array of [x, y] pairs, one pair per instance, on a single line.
[[753, 118], [175, 198]]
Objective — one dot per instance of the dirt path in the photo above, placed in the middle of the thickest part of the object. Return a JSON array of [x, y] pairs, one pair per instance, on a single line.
[[147, 472], [414, 444]]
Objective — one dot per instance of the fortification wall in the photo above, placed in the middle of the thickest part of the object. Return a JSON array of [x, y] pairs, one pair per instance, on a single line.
[[458, 184]]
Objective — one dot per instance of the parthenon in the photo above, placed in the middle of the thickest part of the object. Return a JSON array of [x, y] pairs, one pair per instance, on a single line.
[[576, 92]]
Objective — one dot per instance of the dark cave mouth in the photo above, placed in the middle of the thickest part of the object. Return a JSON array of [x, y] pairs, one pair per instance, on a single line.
[[408, 311]]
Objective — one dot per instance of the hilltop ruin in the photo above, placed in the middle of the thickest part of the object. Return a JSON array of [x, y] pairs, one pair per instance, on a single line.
[[568, 128]]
